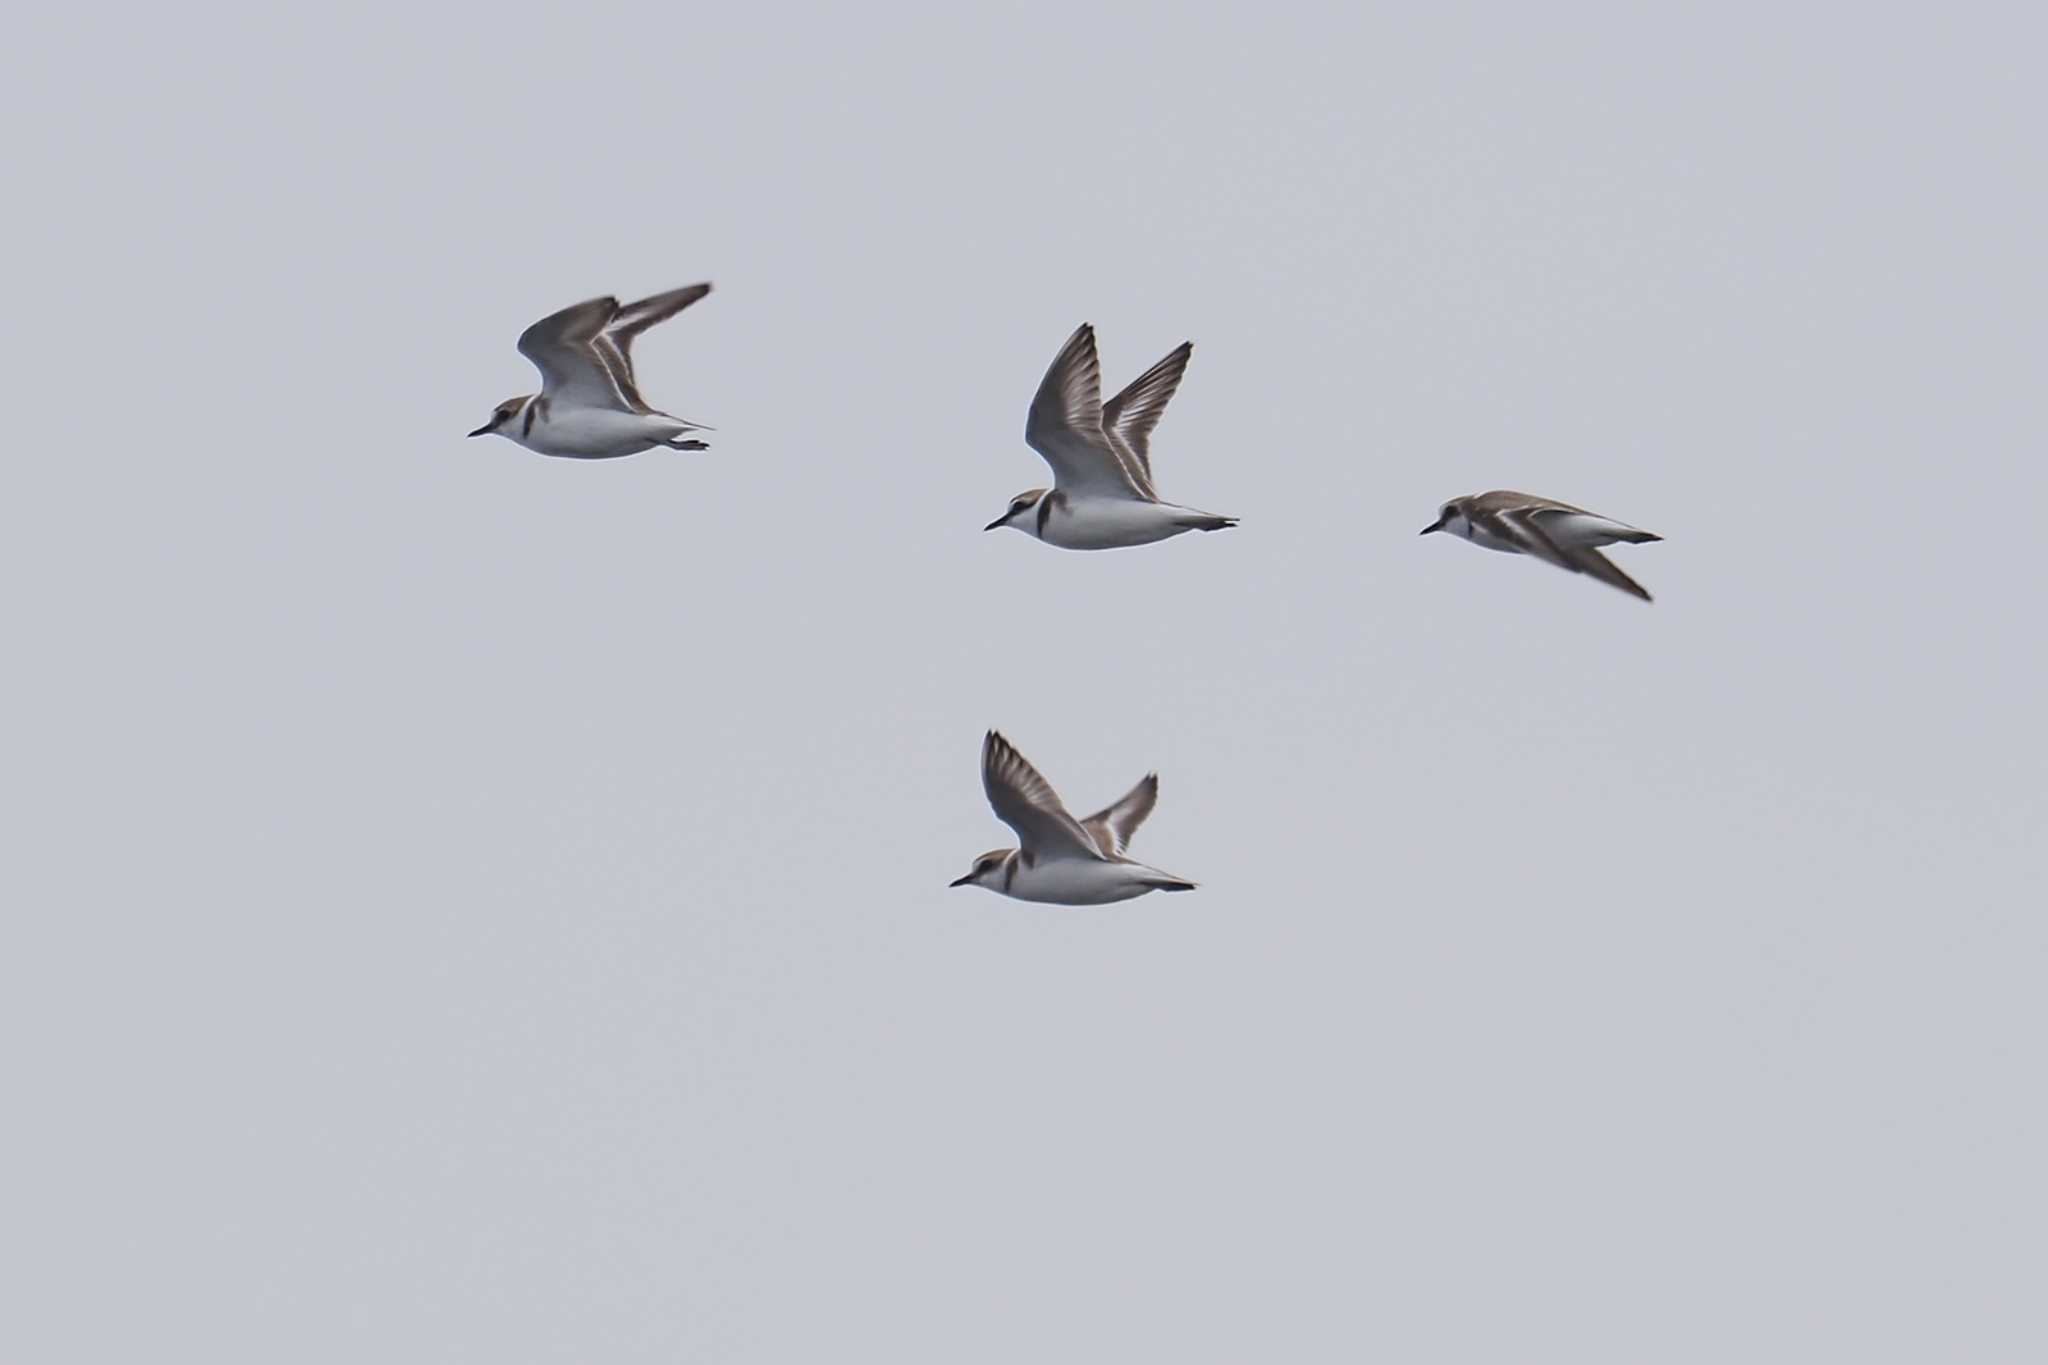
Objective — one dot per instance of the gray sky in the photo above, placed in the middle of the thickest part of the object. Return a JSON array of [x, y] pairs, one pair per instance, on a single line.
[[476, 907]]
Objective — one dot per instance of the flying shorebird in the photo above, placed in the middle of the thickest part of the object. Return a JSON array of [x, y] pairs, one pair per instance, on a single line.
[[1102, 495], [589, 406], [1061, 860], [1556, 532]]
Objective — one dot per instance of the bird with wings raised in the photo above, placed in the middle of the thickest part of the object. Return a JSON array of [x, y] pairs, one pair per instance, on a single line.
[[1060, 860], [589, 406], [1102, 496]]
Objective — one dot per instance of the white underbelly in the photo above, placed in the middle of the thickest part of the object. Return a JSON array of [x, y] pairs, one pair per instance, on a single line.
[[596, 433], [1110, 523], [1073, 881]]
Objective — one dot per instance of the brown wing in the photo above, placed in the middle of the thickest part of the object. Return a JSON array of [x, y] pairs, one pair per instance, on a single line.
[[1113, 825], [1524, 526], [564, 347], [615, 344], [1065, 426], [1026, 802], [1131, 415]]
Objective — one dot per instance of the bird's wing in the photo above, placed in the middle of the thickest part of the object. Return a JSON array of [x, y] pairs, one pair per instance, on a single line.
[[564, 348], [1026, 802], [1113, 825], [1524, 526], [1131, 415], [1065, 426], [615, 343]]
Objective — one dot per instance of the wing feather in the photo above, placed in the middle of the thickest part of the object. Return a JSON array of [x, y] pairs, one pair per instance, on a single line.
[[1065, 426], [1133, 413], [1524, 527], [1026, 802], [563, 346], [1113, 825], [615, 345]]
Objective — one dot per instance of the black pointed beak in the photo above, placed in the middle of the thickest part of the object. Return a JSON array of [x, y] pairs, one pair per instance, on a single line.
[[997, 523], [485, 430], [1436, 525], [967, 880]]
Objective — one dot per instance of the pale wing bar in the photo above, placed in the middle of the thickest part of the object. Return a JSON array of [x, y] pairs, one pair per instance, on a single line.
[[1133, 413], [1524, 527], [615, 343], [1113, 825]]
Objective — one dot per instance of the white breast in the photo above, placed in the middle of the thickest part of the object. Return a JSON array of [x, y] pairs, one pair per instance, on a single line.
[[1075, 881], [592, 433], [1108, 523]]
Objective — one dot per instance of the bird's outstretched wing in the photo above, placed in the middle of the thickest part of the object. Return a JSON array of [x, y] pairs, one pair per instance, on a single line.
[[615, 343], [1065, 426], [1026, 802], [1524, 527], [563, 347], [1130, 416], [1113, 825]]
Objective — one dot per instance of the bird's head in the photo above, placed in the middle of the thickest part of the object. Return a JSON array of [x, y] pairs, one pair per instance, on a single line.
[[1450, 517], [1014, 514], [987, 868], [502, 414]]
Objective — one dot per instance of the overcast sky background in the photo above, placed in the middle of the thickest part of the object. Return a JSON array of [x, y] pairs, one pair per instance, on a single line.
[[476, 907]]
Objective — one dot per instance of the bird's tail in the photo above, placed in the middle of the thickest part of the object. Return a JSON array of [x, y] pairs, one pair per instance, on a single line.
[[1170, 884], [1205, 521]]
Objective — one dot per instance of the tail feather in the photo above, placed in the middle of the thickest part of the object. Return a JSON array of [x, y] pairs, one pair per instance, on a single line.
[[1171, 884], [1206, 522]]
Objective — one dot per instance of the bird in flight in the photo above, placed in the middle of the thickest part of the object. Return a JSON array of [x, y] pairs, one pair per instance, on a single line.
[[1060, 860], [589, 406], [1556, 532], [1102, 495]]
